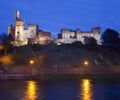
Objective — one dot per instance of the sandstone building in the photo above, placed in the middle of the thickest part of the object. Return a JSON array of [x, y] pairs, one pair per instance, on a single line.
[[69, 36], [30, 35]]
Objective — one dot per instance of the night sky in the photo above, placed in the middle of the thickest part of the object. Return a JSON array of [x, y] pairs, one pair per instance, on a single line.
[[52, 15]]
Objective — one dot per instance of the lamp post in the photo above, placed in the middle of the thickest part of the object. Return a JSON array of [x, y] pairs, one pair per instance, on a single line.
[[32, 63], [86, 63]]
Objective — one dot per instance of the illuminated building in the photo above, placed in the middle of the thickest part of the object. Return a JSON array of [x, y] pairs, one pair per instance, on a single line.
[[69, 36], [31, 35]]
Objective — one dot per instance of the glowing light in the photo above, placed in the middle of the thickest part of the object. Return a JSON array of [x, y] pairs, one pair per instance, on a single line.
[[1, 47], [7, 59], [58, 43], [31, 92], [86, 89], [31, 62], [86, 63], [86, 86]]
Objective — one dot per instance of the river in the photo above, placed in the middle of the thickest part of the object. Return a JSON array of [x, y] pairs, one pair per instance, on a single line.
[[83, 89]]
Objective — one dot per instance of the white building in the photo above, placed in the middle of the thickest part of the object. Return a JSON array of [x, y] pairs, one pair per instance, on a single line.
[[68, 36]]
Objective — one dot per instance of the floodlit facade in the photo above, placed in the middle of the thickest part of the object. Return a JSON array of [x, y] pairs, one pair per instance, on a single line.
[[31, 35], [69, 36]]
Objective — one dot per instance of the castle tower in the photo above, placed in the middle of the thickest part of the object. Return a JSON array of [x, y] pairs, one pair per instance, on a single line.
[[96, 30], [33, 29], [96, 34], [10, 29], [17, 14], [65, 33], [19, 27]]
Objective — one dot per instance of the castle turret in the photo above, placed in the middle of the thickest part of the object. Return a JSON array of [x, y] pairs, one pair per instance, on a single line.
[[19, 27], [17, 14], [96, 30], [78, 31], [10, 29], [96, 34], [65, 33]]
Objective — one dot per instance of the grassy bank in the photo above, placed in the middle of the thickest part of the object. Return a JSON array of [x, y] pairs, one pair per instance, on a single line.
[[77, 76], [62, 56]]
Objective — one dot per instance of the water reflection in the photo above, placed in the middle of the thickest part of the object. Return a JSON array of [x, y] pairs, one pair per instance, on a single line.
[[86, 92], [31, 92]]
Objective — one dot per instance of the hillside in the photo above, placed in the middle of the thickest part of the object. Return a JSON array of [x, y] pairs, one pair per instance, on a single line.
[[62, 56], [72, 56]]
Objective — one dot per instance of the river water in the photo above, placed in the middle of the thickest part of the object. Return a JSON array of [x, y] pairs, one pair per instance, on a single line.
[[83, 89]]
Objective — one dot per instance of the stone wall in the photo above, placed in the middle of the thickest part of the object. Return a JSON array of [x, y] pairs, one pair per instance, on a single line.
[[68, 35]]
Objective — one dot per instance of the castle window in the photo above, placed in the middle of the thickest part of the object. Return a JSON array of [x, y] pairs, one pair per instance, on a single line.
[[18, 35], [72, 36]]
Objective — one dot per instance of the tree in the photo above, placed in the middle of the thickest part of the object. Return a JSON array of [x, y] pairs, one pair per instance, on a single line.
[[91, 44], [89, 41], [6, 42], [110, 38], [92, 41]]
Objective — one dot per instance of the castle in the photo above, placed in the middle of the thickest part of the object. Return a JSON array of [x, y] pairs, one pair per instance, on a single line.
[[31, 35], [69, 36]]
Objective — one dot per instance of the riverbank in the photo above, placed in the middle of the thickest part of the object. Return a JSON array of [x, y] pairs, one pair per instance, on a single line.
[[60, 73], [57, 76], [82, 76], [60, 62]]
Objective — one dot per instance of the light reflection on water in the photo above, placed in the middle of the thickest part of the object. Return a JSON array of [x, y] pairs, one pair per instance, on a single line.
[[86, 89], [31, 91], [83, 89]]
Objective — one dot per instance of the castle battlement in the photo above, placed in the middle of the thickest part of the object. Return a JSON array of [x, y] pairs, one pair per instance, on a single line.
[[32, 25]]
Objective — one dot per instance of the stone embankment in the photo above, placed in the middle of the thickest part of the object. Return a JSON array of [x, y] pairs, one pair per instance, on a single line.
[[20, 74], [79, 70], [14, 76]]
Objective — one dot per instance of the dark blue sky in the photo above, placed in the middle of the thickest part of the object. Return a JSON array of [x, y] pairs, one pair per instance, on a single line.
[[52, 15]]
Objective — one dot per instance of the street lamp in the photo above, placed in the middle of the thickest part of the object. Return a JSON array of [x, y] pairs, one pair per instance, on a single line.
[[31, 62], [86, 63], [33, 70]]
